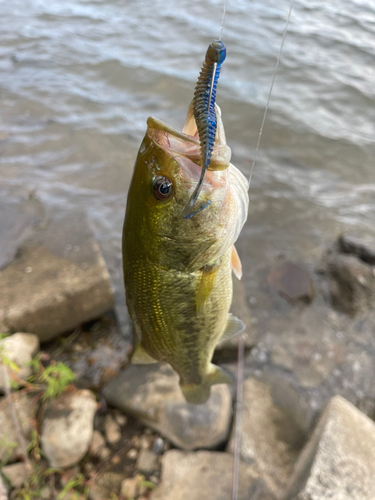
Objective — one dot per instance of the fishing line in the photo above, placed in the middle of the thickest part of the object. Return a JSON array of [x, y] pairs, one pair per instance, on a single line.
[[241, 342], [270, 92], [223, 19]]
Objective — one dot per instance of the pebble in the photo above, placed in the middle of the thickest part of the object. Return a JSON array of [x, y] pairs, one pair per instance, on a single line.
[[106, 486], [15, 473], [147, 461], [67, 428], [121, 419], [132, 453], [25, 407], [20, 348], [157, 447], [129, 487], [97, 443], [104, 453], [112, 430]]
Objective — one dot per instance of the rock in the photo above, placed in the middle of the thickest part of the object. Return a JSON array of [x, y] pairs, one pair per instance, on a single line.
[[97, 443], [362, 247], [338, 463], [147, 461], [205, 474], [19, 348], [266, 436], [292, 282], [67, 428], [25, 408], [20, 217], [16, 474], [57, 281], [96, 355], [158, 446], [3, 490], [104, 453], [112, 430], [351, 284], [132, 453], [106, 486], [121, 419], [45, 493], [152, 394], [129, 487]]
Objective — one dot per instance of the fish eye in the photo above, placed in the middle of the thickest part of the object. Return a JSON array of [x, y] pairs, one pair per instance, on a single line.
[[163, 188]]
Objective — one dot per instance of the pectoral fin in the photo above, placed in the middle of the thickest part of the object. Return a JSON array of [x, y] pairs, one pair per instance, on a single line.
[[233, 327], [236, 263], [205, 286], [141, 357]]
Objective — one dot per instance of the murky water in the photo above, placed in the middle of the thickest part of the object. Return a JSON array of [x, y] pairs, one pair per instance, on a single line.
[[79, 78]]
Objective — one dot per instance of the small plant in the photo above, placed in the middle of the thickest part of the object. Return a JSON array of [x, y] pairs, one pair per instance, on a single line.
[[70, 488], [57, 377], [34, 447], [8, 446]]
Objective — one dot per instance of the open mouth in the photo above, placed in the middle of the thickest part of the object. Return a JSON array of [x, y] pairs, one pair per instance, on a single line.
[[186, 143]]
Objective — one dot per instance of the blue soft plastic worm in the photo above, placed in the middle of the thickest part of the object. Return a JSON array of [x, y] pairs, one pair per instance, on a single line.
[[205, 97], [205, 115]]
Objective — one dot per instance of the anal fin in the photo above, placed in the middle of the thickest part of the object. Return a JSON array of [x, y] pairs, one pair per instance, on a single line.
[[141, 357], [233, 327]]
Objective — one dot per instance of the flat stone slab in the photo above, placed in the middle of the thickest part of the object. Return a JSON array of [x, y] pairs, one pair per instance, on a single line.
[[338, 463], [205, 475], [269, 437], [57, 280], [152, 394]]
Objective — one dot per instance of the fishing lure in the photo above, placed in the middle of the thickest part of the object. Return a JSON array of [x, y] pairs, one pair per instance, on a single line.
[[205, 116]]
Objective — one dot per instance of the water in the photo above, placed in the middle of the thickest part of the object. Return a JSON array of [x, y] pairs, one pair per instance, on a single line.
[[78, 80]]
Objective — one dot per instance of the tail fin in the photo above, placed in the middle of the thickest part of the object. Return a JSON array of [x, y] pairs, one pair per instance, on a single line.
[[198, 394]]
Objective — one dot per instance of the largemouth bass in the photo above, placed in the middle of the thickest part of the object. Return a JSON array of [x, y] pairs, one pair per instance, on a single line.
[[178, 272]]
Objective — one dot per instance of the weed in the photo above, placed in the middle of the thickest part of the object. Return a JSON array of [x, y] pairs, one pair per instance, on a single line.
[[57, 377]]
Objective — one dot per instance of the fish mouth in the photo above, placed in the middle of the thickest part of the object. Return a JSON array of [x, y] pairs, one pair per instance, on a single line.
[[186, 144]]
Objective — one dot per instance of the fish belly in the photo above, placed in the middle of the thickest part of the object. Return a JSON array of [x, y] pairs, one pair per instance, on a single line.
[[162, 305]]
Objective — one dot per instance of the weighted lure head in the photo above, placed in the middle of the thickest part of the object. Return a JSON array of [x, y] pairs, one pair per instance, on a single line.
[[216, 52]]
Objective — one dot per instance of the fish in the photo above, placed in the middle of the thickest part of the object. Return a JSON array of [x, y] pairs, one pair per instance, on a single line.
[[178, 271]]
